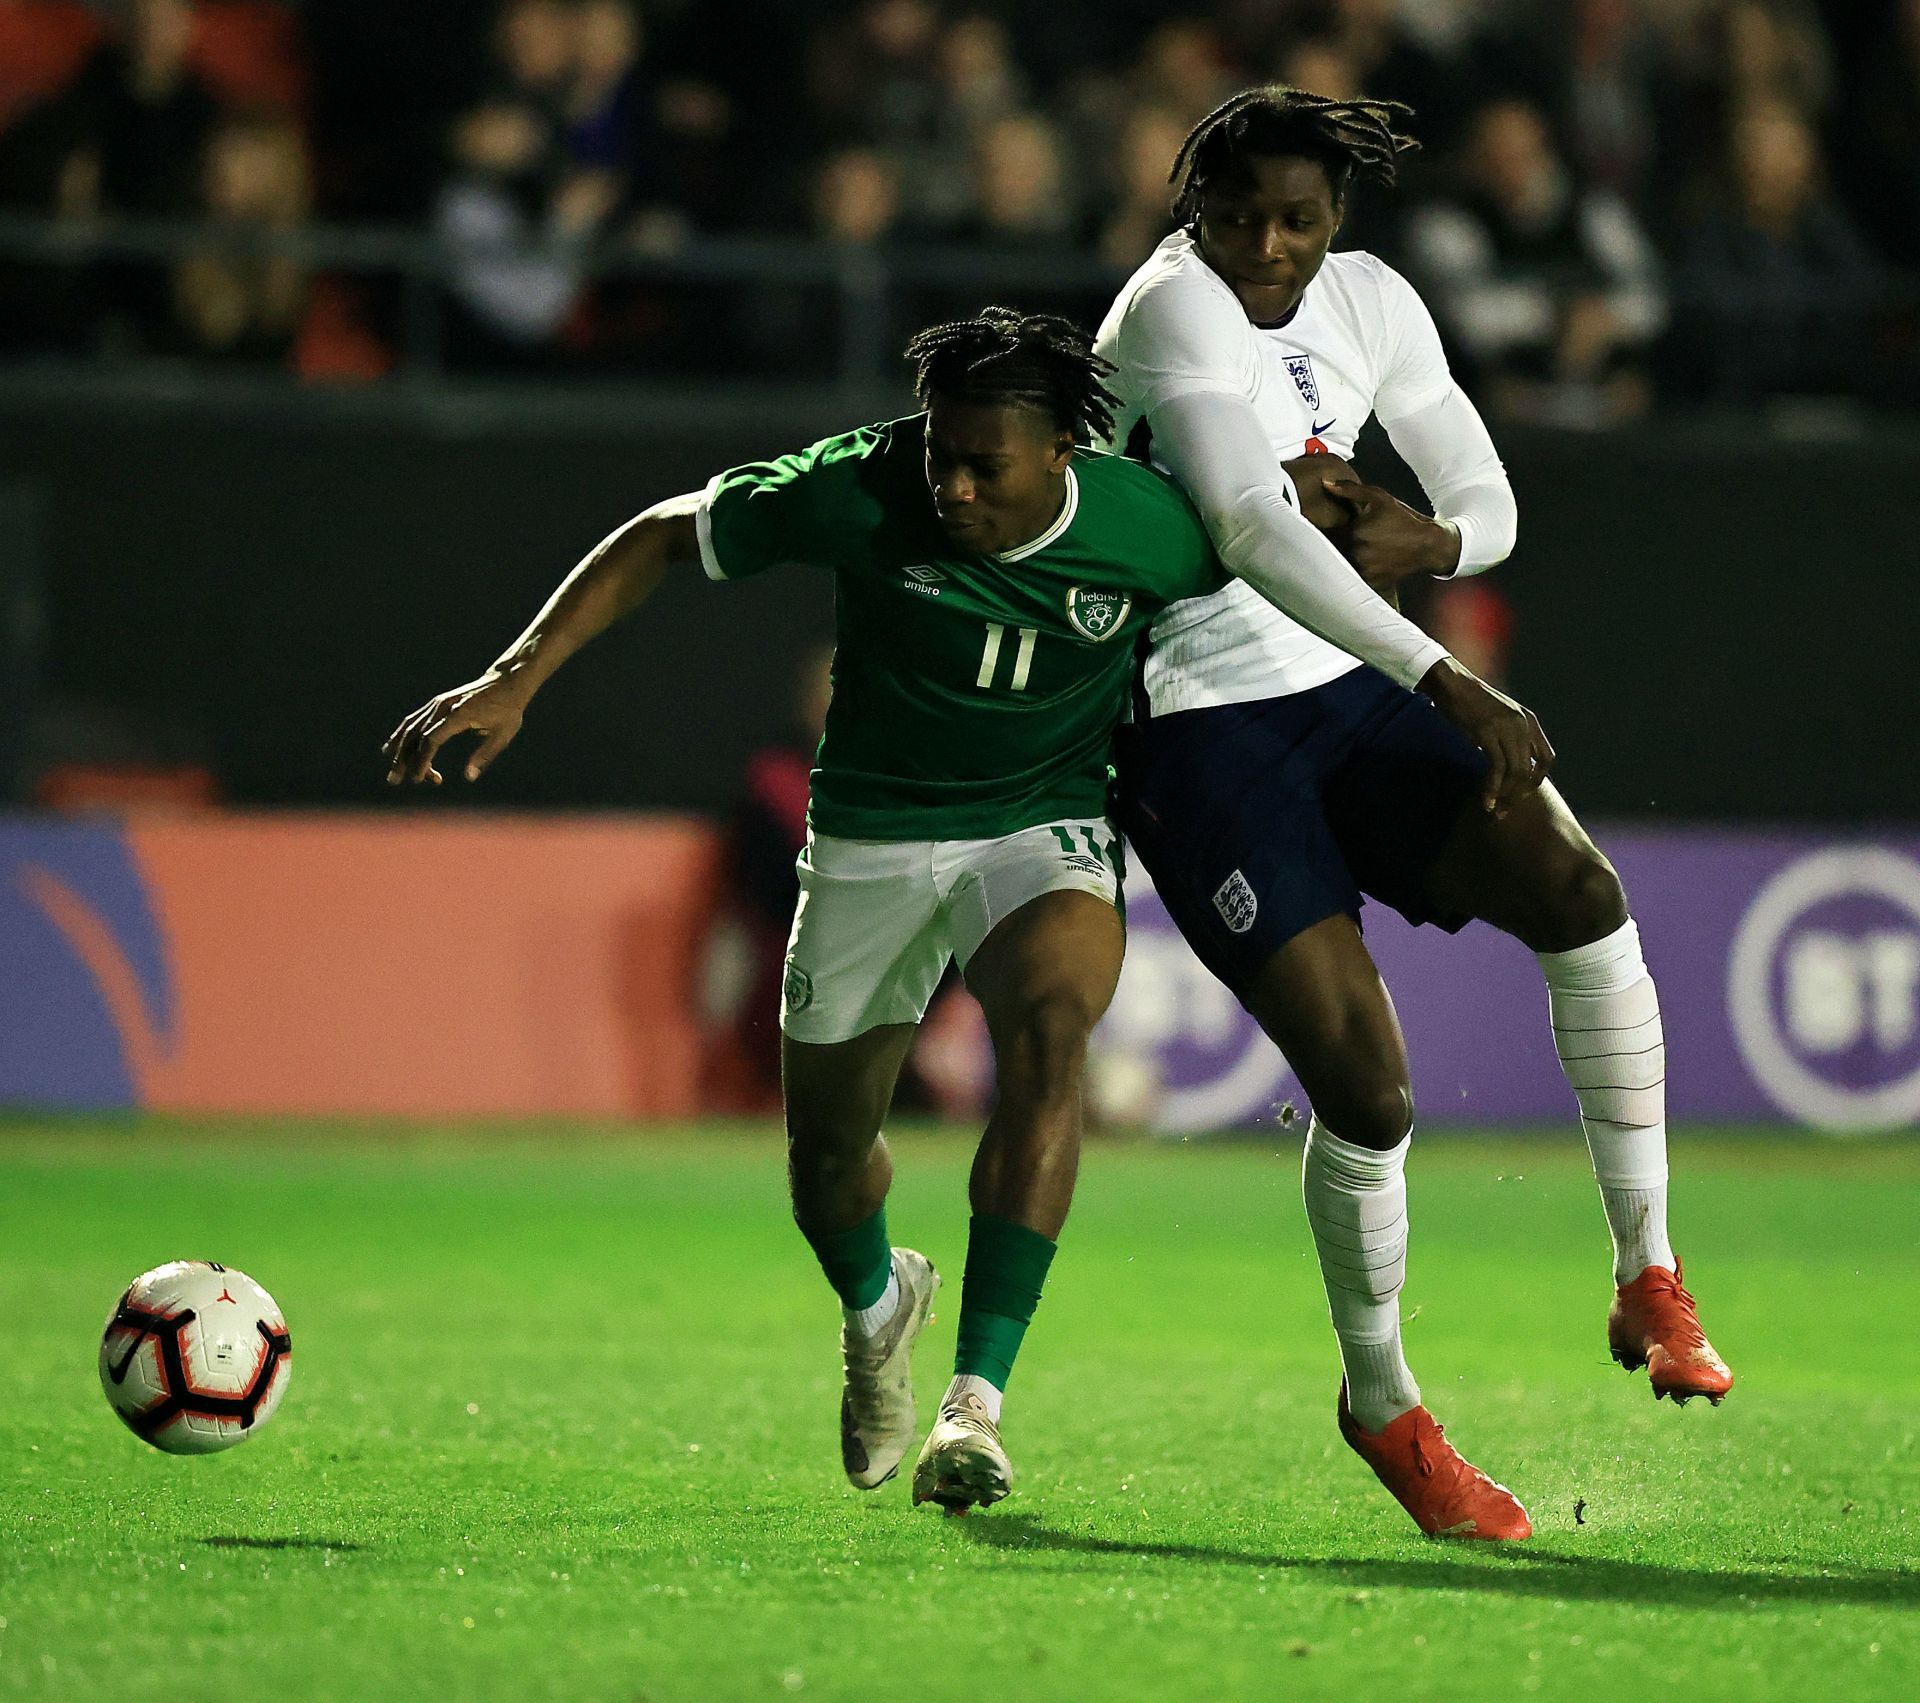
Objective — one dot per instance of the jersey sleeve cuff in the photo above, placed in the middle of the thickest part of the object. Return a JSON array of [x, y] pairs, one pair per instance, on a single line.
[[1473, 557], [703, 528], [1416, 666]]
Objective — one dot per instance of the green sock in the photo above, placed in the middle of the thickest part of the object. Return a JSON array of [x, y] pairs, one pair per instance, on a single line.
[[857, 1262], [1006, 1266]]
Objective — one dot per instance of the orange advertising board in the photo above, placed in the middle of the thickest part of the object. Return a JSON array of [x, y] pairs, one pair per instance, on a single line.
[[358, 964]]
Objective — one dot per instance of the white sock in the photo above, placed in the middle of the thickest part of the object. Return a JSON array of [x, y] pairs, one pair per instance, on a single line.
[[870, 1321], [1357, 1205], [1606, 1028], [968, 1384]]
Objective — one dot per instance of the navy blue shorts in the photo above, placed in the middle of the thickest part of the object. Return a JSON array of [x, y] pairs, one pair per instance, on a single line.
[[1258, 820]]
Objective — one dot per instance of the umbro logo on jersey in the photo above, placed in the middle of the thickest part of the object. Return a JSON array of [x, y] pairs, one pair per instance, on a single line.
[[1095, 614], [1236, 903], [925, 572], [1300, 367]]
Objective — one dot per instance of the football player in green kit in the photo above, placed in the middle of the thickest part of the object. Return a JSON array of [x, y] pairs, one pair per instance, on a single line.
[[992, 581]]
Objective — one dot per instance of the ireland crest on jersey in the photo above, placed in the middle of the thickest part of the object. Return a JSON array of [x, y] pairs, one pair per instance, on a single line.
[[1301, 369], [1095, 614], [797, 988]]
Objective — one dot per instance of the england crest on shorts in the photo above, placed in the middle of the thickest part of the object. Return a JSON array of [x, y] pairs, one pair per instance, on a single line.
[[1301, 368], [1095, 614], [1236, 903]]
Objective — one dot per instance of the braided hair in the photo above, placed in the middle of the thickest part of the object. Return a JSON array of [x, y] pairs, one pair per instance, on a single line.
[[1031, 360], [1352, 139]]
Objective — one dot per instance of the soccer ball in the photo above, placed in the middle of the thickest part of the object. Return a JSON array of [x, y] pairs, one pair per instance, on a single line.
[[195, 1357]]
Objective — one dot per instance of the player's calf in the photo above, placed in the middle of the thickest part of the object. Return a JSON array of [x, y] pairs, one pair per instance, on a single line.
[[1029, 1154], [1044, 977]]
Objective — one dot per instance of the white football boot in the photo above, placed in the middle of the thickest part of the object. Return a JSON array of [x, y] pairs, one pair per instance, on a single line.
[[877, 1421], [963, 1465]]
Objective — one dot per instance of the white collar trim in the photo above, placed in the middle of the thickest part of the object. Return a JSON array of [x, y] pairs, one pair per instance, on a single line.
[[1067, 511]]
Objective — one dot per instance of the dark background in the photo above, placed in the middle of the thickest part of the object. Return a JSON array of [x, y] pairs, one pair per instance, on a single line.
[[291, 438], [265, 584]]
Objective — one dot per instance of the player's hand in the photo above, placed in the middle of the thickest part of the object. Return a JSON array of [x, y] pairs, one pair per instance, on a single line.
[[1387, 541], [491, 706], [1511, 735], [1311, 475]]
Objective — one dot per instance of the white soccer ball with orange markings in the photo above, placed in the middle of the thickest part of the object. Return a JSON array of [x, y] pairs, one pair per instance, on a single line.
[[195, 1358]]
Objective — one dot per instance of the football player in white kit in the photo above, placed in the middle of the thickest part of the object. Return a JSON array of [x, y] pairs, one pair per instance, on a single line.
[[1270, 780]]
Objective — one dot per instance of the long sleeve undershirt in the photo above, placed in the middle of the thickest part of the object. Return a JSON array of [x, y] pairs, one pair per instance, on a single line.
[[1213, 443], [1447, 445]]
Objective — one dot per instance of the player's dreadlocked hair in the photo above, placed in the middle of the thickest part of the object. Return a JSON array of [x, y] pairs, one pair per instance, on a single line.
[[1030, 359], [1350, 138]]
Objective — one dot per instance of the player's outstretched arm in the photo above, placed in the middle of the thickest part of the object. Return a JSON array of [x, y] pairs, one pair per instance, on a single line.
[[615, 578]]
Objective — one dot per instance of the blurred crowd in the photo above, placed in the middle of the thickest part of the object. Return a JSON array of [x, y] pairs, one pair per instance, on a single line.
[[1616, 200]]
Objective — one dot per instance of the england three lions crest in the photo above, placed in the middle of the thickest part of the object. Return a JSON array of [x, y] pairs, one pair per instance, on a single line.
[[1095, 614], [1301, 367], [1237, 903]]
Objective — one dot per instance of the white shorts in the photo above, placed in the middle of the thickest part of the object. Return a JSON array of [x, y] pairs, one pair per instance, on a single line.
[[878, 920]]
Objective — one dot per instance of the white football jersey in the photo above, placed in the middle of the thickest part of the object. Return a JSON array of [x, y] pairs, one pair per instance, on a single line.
[[1360, 342]]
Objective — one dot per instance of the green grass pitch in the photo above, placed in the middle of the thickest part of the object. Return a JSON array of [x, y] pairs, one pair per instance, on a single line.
[[562, 1424]]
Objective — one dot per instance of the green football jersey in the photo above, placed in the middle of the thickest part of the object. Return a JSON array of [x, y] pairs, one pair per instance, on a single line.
[[973, 695]]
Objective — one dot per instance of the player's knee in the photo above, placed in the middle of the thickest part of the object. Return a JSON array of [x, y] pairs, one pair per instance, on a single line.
[[1046, 1044], [1586, 903], [1377, 1116], [827, 1143]]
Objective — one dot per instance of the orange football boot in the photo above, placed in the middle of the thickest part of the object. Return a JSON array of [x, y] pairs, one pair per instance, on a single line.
[[1445, 1494], [1654, 1324]]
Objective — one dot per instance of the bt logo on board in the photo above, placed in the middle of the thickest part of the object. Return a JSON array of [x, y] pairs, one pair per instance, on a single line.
[[1824, 988]]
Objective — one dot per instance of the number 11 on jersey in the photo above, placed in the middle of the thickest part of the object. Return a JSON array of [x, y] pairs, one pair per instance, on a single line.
[[1022, 659]]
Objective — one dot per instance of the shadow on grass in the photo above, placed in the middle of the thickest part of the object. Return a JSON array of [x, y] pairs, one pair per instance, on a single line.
[[276, 1543], [1509, 1571]]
